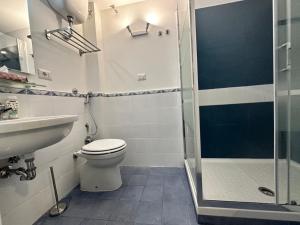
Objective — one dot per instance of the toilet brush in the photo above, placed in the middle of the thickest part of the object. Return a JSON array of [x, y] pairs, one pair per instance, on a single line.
[[59, 207]]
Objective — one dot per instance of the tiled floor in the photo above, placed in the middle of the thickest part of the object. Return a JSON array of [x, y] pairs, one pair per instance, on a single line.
[[149, 196]]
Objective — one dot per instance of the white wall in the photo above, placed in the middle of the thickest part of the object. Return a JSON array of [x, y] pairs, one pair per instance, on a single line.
[[93, 32], [23, 202], [66, 66], [150, 124], [125, 57]]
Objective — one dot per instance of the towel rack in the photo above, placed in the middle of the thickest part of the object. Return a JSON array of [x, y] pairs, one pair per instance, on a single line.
[[73, 38]]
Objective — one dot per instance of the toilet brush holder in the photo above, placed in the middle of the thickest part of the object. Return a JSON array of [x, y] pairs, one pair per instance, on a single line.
[[59, 207]]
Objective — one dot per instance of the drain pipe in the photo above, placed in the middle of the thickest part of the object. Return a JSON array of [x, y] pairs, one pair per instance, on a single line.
[[25, 174]]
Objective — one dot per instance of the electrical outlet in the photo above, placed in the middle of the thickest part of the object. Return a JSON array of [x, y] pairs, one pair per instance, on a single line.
[[141, 76], [44, 74]]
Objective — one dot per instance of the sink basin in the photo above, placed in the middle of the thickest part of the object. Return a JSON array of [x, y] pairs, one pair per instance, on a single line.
[[27, 135]]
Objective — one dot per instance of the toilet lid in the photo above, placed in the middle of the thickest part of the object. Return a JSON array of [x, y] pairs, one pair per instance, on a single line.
[[104, 145]]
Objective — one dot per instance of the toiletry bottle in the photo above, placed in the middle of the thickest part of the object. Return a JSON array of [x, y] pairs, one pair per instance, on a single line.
[[12, 102]]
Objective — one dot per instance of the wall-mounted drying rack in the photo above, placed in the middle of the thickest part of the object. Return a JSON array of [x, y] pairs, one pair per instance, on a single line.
[[73, 38]]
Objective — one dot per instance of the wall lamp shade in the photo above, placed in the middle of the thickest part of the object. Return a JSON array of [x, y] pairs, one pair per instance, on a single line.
[[137, 33]]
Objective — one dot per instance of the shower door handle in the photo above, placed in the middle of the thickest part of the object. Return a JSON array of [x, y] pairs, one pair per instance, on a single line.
[[287, 47]]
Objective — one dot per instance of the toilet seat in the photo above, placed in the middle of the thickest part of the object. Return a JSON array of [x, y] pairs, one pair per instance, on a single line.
[[104, 147]]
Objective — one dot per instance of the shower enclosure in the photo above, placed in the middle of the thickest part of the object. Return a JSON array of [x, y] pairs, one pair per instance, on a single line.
[[240, 77]]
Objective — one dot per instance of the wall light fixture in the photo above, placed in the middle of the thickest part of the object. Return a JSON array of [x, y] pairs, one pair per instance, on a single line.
[[138, 32]]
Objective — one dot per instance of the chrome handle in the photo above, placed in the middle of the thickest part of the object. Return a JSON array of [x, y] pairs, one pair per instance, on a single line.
[[287, 47]]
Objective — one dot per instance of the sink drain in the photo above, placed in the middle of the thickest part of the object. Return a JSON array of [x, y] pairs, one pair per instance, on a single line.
[[266, 191]]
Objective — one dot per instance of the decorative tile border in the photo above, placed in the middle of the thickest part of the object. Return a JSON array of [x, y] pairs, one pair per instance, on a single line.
[[25, 91], [148, 92]]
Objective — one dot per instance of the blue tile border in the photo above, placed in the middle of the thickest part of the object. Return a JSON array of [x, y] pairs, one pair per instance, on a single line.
[[26, 91]]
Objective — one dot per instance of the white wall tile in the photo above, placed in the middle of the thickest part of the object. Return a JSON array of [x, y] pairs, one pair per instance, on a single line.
[[24, 202], [150, 124], [236, 95], [210, 3]]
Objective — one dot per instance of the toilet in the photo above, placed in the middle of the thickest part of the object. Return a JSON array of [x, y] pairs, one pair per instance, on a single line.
[[101, 171]]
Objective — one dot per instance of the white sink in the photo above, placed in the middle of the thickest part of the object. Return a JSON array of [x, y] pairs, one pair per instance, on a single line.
[[27, 135]]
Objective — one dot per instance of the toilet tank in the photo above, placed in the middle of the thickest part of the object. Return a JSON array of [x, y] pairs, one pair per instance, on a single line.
[[78, 9]]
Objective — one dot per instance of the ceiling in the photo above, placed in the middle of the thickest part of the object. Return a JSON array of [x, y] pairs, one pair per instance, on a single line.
[[13, 15], [104, 4]]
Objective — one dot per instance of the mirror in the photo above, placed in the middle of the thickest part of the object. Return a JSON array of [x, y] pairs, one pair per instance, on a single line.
[[16, 54]]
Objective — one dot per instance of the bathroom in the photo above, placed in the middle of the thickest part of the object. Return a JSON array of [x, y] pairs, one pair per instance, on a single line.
[[149, 112]]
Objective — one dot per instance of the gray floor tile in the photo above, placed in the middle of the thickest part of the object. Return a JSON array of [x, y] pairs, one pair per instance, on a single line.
[[88, 195], [175, 171], [152, 193], [175, 214], [80, 208], [138, 179], [166, 171], [119, 223], [75, 192], [149, 213], [149, 196], [132, 193], [135, 170], [125, 178], [144, 224], [125, 211], [192, 215], [62, 221], [111, 194], [156, 171], [176, 194], [127, 170], [102, 209], [173, 181], [93, 222], [155, 180]]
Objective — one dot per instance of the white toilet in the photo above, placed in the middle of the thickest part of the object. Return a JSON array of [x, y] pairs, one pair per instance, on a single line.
[[101, 172]]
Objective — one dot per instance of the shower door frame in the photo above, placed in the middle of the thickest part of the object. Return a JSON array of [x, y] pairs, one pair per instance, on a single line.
[[288, 45], [196, 184], [237, 209]]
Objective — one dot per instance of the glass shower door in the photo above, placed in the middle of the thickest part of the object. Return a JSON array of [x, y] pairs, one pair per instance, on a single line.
[[282, 101], [288, 102], [294, 177], [187, 84]]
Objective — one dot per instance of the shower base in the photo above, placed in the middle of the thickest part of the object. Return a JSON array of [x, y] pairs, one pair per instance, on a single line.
[[230, 191], [239, 180]]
